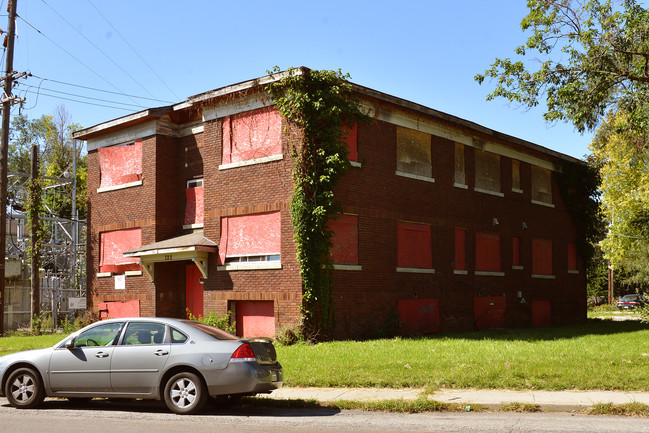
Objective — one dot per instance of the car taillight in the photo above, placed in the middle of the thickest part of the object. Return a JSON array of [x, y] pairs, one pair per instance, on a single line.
[[243, 353]]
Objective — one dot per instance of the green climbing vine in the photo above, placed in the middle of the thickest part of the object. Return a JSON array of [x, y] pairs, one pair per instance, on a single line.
[[320, 103]]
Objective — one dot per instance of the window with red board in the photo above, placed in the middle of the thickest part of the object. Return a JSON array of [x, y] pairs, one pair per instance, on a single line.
[[252, 135], [251, 241], [194, 204], [120, 165], [344, 249], [572, 257], [541, 257], [414, 248], [112, 246], [487, 252], [350, 135], [460, 249]]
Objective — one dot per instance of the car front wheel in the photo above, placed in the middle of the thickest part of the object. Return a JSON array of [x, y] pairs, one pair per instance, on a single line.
[[24, 389], [185, 393]]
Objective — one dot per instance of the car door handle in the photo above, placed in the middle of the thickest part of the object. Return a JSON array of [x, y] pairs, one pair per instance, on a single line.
[[101, 355], [161, 352]]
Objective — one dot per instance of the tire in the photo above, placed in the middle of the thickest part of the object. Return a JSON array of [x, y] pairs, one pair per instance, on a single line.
[[185, 394], [24, 389]]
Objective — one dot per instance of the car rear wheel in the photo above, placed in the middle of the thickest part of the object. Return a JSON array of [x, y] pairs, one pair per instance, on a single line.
[[185, 393], [24, 389]]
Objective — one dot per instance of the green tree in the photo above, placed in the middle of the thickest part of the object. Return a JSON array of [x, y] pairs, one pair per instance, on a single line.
[[623, 159], [583, 58]]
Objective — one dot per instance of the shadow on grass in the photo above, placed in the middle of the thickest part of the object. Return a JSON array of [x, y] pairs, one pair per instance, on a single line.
[[590, 327]]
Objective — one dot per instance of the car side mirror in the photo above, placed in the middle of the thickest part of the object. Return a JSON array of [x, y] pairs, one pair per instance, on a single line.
[[70, 343]]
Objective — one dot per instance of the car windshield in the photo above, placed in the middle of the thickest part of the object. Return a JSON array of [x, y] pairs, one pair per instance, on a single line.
[[630, 297], [210, 330]]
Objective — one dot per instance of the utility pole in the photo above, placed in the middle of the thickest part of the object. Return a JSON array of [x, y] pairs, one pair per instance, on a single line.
[[34, 222], [4, 151]]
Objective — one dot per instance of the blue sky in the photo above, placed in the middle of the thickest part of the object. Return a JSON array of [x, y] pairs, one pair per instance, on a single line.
[[424, 51]]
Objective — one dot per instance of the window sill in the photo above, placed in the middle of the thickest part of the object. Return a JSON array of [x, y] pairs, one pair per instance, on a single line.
[[573, 272], [460, 272], [486, 191], [117, 187], [544, 277], [338, 267], [416, 270], [415, 176], [489, 274], [192, 226], [251, 162], [517, 190], [542, 203], [518, 268], [248, 266], [133, 273], [355, 164], [104, 274], [461, 185]]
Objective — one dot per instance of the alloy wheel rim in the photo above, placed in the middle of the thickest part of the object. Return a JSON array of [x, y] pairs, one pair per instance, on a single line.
[[23, 388], [184, 393]]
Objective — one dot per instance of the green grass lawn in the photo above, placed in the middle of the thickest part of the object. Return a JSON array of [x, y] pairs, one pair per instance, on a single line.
[[601, 354]]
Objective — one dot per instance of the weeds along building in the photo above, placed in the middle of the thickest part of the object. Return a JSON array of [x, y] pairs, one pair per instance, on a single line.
[[446, 225]]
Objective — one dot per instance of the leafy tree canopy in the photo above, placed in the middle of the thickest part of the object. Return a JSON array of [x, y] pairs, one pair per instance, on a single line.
[[583, 57]]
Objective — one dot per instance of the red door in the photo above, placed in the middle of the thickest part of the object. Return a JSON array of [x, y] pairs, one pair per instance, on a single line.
[[194, 290], [255, 319]]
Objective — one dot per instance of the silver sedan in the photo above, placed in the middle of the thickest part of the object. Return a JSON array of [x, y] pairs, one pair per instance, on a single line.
[[179, 361]]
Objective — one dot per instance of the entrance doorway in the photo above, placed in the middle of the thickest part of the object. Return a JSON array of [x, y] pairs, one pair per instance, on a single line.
[[193, 290]]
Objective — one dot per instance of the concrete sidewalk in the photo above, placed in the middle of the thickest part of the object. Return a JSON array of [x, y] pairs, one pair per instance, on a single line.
[[547, 400]]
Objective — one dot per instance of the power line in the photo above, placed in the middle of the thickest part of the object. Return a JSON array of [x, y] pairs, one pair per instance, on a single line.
[[71, 55], [133, 49], [78, 100], [102, 90], [99, 49], [80, 96]]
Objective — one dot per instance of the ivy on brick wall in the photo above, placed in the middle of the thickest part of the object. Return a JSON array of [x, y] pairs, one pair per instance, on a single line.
[[320, 103]]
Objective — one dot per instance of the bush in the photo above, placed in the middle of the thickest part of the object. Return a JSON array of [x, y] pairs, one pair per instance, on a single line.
[[216, 320]]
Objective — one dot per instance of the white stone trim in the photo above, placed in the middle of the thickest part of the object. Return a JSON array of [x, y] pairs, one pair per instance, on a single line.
[[416, 270], [356, 164], [122, 186], [573, 271], [544, 277], [104, 274], [489, 274], [518, 267], [251, 162], [415, 176], [517, 190], [192, 226], [133, 273], [460, 272], [461, 185], [250, 266], [340, 267], [489, 192], [252, 102], [542, 203]]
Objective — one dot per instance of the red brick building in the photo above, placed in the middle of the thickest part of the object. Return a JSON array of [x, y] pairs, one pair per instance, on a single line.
[[447, 225]]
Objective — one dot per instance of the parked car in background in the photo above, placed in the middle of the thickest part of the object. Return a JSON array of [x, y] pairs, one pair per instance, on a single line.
[[182, 362], [629, 302]]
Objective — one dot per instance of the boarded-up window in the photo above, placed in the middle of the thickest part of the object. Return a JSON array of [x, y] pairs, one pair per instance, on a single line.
[[541, 257], [487, 171], [350, 135], [516, 174], [414, 246], [250, 237], [541, 184], [252, 135], [413, 152], [487, 252], [460, 172], [516, 251], [460, 249], [344, 249], [572, 257], [112, 246], [194, 203], [121, 164]]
